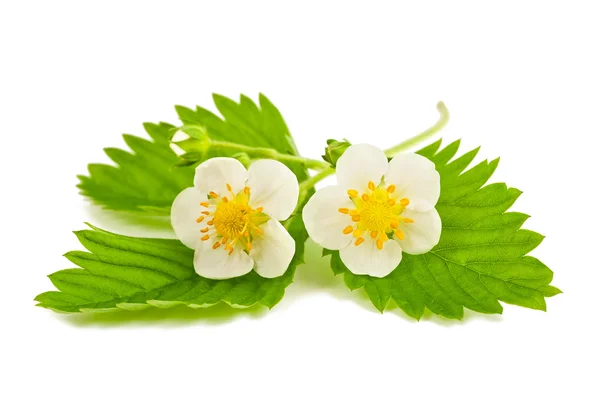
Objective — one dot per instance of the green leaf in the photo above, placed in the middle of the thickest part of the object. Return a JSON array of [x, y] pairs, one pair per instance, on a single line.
[[143, 178], [247, 123], [147, 177], [121, 272], [481, 258]]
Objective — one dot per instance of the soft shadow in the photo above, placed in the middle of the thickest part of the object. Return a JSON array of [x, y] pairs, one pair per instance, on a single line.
[[469, 316], [316, 276], [129, 223], [173, 317]]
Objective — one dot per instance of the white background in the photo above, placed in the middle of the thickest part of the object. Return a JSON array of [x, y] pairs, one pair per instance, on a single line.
[[521, 79]]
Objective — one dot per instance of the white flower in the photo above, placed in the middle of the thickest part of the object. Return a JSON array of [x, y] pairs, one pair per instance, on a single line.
[[230, 218], [377, 210]]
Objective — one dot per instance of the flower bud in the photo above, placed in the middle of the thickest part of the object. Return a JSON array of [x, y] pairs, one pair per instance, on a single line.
[[334, 150], [191, 139]]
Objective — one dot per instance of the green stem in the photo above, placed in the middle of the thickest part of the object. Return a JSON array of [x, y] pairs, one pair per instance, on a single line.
[[309, 183], [271, 154], [324, 168], [419, 138]]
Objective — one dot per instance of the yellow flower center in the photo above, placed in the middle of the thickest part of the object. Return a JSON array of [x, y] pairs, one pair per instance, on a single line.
[[232, 221], [377, 214]]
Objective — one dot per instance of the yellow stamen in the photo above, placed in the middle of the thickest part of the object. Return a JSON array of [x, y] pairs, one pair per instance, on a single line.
[[353, 212], [347, 230], [356, 218], [345, 211], [399, 234], [365, 197], [213, 194], [374, 234], [391, 189], [352, 193], [408, 220], [379, 244], [359, 241], [201, 218], [404, 201], [371, 186], [204, 238], [383, 237], [216, 245], [394, 223], [204, 204], [357, 233], [391, 202], [232, 218], [230, 251]]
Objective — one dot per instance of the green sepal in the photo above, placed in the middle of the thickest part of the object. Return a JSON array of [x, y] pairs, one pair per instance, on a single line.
[[196, 132], [334, 150], [189, 159]]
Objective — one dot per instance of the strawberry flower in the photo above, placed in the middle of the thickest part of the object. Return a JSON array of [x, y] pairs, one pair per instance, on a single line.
[[230, 218], [377, 211]]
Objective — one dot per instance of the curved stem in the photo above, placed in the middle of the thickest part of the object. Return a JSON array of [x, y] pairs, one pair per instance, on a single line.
[[311, 181], [324, 168], [419, 138], [271, 154]]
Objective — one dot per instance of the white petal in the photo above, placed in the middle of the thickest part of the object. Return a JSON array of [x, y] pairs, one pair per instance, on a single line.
[[368, 259], [422, 235], [178, 136], [415, 178], [218, 264], [273, 251], [184, 212], [323, 221], [215, 173], [274, 187], [360, 164]]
